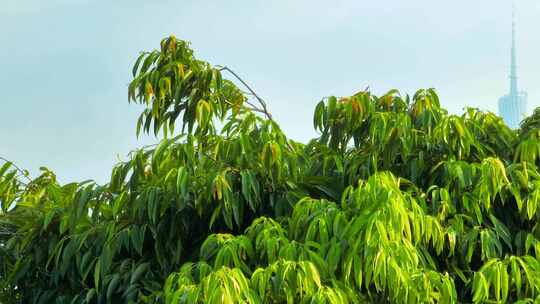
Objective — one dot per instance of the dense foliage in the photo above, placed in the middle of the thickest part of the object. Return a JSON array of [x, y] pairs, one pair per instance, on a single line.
[[396, 201]]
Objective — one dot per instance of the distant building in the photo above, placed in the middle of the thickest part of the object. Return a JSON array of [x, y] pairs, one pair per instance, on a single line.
[[513, 106]]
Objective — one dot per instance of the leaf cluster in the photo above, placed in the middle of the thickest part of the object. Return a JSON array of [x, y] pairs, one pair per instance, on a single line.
[[395, 201]]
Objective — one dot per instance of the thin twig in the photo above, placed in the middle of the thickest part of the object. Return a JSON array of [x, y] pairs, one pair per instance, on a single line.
[[261, 101], [22, 172], [251, 104]]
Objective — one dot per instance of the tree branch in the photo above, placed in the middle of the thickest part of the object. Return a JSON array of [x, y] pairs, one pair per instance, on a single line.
[[264, 108], [22, 172]]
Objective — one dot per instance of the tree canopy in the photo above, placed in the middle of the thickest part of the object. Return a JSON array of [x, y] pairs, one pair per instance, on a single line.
[[395, 201]]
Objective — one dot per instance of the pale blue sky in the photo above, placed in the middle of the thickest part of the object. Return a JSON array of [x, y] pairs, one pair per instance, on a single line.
[[65, 64]]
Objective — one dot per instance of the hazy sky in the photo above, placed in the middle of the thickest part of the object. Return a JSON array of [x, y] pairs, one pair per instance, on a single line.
[[65, 64]]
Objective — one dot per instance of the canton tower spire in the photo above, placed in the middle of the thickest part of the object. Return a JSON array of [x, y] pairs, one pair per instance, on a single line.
[[513, 64], [513, 106]]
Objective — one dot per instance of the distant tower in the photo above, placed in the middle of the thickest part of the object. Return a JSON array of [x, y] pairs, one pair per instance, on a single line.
[[513, 106]]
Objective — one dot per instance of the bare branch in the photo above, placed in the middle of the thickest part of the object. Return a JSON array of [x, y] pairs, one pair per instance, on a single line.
[[264, 107], [21, 172]]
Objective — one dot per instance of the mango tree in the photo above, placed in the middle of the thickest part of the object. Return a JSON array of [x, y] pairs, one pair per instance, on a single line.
[[395, 201]]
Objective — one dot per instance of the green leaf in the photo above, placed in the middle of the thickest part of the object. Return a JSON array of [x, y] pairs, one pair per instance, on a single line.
[[139, 272]]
